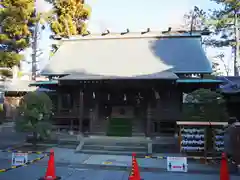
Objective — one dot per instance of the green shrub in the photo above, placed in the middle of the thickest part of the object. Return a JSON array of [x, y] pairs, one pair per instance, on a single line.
[[35, 111]]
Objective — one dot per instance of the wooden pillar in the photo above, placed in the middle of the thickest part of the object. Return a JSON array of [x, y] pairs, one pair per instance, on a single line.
[[93, 116], [181, 102], [149, 119], [59, 101], [91, 119], [81, 109], [75, 104]]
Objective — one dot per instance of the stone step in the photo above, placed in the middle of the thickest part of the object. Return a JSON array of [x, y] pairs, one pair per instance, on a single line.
[[115, 148], [114, 145], [137, 131], [165, 140], [100, 126], [97, 133], [110, 152], [122, 144], [115, 139], [141, 134], [164, 148]]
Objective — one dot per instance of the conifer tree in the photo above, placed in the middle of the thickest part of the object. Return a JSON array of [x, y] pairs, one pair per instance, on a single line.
[[225, 23], [70, 17], [16, 20]]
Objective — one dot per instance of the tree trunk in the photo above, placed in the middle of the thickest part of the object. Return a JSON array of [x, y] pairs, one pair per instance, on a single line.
[[35, 138]]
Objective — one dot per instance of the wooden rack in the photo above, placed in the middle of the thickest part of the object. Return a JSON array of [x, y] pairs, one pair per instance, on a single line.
[[194, 137]]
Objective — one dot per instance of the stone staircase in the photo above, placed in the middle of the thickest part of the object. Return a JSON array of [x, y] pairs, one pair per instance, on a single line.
[[113, 145], [166, 144], [138, 127]]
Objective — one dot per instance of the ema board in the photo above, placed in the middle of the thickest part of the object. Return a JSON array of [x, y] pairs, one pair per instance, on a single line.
[[177, 164], [19, 159]]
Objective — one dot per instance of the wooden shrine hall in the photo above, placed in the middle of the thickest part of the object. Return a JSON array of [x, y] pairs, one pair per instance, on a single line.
[[125, 84]]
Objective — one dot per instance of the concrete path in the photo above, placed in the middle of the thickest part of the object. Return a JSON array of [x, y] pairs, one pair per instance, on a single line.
[[69, 157], [72, 166], [8, 136], [34, 172]]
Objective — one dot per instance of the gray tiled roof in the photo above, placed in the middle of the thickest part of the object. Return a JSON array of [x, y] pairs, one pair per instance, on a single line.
[[129, 56], [19, 86]]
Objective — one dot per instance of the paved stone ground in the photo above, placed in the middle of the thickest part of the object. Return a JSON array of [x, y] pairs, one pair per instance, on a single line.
[[65, 156], [33, 172], [72, 166], [124, 161], [8, 137]]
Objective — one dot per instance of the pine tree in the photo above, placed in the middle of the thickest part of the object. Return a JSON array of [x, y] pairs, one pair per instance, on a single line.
[[35, 111], [16, 17], [224, 22], [221, 22], [70, 16]]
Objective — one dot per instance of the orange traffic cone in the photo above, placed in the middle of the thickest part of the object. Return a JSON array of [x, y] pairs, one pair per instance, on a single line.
[[224, 174], [135, 173], [51, 172]]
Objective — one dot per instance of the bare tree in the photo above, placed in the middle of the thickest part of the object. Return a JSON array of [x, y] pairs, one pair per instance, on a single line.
[[195, 19], [218, 60]]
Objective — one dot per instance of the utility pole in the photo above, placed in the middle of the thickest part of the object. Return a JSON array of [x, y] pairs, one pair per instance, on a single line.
[[34, 46], [34, 51], [237, 44]]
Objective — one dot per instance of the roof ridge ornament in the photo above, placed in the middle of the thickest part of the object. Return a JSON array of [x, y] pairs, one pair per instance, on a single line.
[[86, 34], [147, 31], [168, 31], [106, 32], [126, 32]]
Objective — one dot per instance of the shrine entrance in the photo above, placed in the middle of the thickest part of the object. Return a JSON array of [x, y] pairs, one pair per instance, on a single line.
[[121, 121]]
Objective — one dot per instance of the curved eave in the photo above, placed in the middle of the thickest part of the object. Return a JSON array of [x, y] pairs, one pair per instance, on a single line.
[[194, 81]]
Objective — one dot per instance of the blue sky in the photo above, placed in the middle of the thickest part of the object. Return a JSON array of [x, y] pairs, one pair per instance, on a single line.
[[133, 14], [140, 14]]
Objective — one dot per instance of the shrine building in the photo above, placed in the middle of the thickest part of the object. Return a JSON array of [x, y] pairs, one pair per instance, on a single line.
[[125, 84]]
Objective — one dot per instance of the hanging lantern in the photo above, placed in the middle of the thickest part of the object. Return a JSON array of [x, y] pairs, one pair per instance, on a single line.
[[125, 97], [93, 95], [157, 96], [139, 95]]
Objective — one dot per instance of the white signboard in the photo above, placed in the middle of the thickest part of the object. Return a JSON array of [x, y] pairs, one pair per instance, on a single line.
[[19, 159], [177, 164]]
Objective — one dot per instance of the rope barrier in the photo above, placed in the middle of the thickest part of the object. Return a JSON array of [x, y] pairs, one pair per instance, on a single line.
[[44, 154], [188, 157]]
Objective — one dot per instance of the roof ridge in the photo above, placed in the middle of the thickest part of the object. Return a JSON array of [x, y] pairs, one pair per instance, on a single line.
[[130, 35]]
